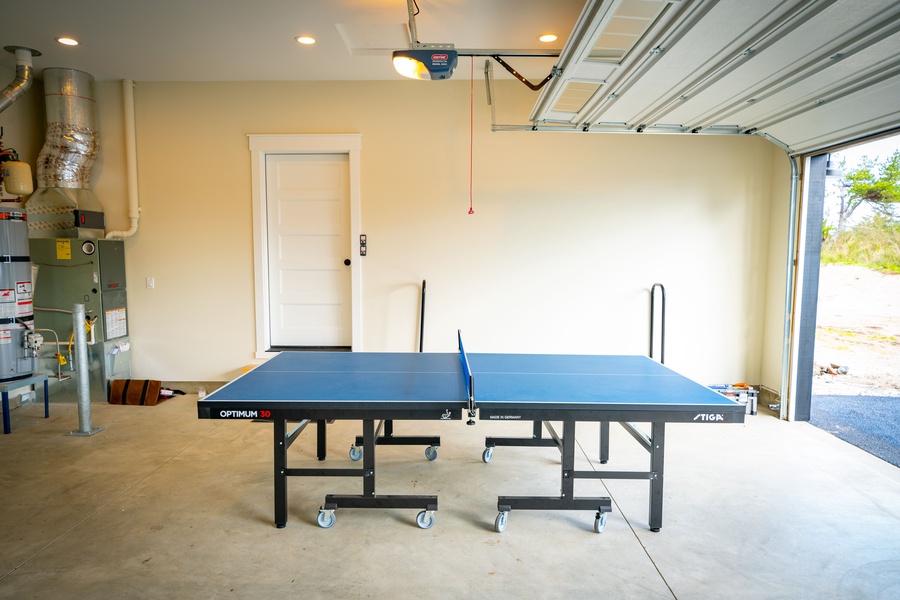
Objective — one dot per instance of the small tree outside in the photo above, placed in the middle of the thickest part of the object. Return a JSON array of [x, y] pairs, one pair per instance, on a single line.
[[866, 227], [875, 183]]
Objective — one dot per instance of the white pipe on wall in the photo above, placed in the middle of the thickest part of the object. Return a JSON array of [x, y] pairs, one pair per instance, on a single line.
[[134, 207]]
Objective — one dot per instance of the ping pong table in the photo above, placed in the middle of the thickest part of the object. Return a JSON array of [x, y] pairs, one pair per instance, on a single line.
[[301, 388]]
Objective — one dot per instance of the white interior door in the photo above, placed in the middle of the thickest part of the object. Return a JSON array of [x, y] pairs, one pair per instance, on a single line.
[[308, 229]]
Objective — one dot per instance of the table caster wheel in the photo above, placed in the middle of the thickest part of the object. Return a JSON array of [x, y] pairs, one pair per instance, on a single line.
[[487, 455], [500, 522], [326, 518], [355, 453], [425, 519], [600, 522], [431, 452]]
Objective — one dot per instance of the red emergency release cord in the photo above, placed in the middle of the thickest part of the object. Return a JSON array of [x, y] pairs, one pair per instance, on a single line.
[[471, 118]]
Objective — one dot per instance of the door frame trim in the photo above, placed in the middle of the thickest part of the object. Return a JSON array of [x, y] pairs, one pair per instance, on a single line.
[[262, 145]]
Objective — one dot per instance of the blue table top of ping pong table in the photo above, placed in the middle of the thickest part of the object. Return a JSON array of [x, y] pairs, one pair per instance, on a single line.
[[365, 380]]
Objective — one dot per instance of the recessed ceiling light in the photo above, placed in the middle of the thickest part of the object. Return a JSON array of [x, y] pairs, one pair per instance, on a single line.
[[67, 41], [547, 38], [305, 39]]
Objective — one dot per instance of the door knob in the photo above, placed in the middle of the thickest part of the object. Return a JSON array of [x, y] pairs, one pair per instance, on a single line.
[[347, 261]]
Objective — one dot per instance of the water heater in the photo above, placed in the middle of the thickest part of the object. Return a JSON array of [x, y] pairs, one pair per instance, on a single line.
[[18, 341]]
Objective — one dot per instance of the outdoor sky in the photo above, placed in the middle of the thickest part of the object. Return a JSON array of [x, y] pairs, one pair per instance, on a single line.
[[881, 148]]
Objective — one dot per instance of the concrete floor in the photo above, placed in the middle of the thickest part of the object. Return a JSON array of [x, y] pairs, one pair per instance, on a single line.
[[163, 505]]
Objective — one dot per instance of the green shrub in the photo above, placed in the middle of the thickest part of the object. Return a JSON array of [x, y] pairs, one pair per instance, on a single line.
[[874, 243]]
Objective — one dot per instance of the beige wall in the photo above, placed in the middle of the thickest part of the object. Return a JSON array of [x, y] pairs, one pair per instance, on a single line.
[[569, 230]]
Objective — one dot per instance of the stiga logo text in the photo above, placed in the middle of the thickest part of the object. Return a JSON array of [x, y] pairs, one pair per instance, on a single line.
[[242, 414], [710, 417]]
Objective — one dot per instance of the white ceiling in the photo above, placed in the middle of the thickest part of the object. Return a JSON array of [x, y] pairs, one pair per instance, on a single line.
[[237, 40], [805, 73]]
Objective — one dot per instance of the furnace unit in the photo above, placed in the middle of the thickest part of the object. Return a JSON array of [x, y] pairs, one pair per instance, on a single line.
[[90, 272]]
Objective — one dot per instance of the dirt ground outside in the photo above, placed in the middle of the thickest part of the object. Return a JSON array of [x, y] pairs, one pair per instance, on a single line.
[[857, 327]]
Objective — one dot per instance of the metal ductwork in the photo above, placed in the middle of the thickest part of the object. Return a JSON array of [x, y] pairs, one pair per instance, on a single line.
[[63, 205], [24, 76]]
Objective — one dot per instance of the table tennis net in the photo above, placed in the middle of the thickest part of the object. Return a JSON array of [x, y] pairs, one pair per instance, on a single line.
[[467, 371]]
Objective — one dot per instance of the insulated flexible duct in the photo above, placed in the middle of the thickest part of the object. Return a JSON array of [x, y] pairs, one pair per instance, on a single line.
[[24, 76], [71, 145], [64, 164]]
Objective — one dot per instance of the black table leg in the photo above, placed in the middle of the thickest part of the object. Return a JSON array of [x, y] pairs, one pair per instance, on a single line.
[[369, 458], [280, 462], [604, 442], [657, 455], [567, 480], [321, 439]]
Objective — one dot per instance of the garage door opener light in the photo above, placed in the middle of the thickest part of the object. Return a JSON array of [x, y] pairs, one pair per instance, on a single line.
[[424, 61]]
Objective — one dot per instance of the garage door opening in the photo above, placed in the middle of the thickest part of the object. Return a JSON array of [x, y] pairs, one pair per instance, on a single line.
[[856, 369]]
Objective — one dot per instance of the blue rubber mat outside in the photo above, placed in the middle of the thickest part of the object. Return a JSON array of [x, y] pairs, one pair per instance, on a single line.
[[871, 423]]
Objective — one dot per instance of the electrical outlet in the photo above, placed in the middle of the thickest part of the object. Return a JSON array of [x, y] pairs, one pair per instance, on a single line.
[[151, 283]]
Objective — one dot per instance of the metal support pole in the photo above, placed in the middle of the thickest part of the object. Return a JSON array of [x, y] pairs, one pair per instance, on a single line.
[[662, 333], [81, 374]]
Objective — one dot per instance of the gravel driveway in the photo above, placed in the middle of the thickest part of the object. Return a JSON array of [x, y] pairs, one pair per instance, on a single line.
[[858, 327]]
